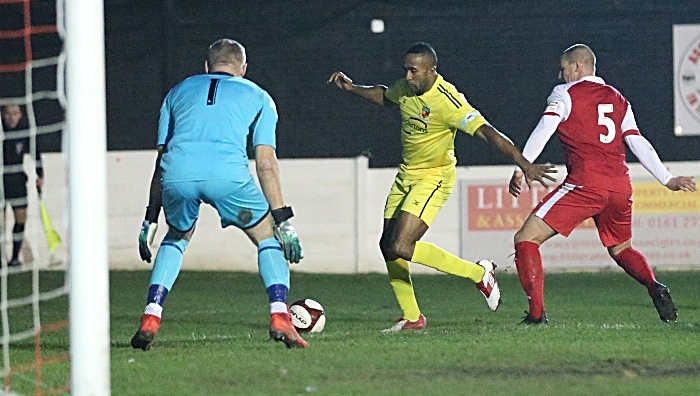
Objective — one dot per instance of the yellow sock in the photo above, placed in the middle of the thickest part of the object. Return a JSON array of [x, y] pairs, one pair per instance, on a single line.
[[432, 256], [403, 288]]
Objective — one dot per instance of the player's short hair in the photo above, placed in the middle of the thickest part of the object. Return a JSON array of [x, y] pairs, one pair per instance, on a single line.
[[226, 52], [579, 53], [426, 49]]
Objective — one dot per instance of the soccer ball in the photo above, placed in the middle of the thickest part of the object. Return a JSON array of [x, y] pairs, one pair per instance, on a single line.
[[307, 316]]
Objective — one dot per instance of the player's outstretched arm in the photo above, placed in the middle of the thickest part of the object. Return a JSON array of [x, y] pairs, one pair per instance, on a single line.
[[267, 169], [373, 93], [155, 201], [539, 137], [531, 172], [648, 157]]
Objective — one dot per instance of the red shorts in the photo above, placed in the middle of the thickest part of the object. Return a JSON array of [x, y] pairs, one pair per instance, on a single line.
[[568, 205]]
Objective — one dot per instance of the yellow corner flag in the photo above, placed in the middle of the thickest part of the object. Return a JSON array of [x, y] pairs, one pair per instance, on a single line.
[[52, 236]]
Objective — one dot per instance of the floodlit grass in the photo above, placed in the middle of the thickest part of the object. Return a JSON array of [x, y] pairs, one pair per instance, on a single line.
[[604, 338]]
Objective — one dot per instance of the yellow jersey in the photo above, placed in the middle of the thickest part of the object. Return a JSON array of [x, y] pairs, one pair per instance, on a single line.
[[429, 123]]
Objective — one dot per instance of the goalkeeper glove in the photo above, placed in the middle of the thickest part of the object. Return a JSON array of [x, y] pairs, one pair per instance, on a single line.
[[148, 232], [286, 235]]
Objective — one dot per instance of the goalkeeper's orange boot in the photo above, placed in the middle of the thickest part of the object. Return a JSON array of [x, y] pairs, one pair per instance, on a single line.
[[282, 329], [143, 339]]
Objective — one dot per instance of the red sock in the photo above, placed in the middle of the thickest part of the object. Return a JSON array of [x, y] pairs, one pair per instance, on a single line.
[[636, 265], [529, 263]]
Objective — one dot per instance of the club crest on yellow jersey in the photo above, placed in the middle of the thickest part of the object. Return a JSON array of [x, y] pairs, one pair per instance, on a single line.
[[425, 112]]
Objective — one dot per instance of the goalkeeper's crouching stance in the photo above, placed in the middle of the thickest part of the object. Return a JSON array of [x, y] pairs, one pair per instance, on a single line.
[[203, 129]]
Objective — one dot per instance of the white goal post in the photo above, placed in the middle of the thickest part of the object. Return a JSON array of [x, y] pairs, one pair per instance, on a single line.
[[87, 189]]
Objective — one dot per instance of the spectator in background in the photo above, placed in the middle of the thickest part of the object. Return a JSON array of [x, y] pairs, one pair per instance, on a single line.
[[15, 145], [595, 122]]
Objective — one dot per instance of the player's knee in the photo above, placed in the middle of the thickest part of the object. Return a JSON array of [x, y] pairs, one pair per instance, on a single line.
[[175, 234], [530, 235], [615, 251], [385, 247], [394, 250], [179, 244], [402, 249], [520, 236], [387, 252]]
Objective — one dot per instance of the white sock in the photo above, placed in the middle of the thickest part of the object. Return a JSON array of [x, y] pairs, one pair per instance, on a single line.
[[278, 307], [154, 309]]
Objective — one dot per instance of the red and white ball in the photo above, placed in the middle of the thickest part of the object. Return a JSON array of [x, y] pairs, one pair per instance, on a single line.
[[307, 316]]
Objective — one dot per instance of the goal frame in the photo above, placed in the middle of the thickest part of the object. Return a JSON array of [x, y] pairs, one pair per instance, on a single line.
[[86, 146]]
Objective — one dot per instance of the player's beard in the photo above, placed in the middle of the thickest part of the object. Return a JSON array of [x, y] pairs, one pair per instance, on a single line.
[[415, 88]]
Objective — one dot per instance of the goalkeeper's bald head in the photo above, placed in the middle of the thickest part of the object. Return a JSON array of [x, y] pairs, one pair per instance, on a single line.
[[226, 55]]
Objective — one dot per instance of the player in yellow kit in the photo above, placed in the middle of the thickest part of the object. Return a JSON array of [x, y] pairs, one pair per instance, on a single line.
[[432, 110]]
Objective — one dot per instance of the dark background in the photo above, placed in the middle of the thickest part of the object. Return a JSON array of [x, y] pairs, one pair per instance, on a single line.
[[503, 55]]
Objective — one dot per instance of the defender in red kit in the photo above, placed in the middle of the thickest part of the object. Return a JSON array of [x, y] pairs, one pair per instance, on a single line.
[[595, 123]]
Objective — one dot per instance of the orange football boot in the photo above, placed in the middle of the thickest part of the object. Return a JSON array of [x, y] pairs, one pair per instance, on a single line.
[[143, 339], [281, 329]]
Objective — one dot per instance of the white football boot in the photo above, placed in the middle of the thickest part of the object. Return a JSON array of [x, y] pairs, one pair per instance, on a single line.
[[489, 286]]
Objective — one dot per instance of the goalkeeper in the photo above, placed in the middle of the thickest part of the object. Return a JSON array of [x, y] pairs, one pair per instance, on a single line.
[[204, 125], [15, 145]]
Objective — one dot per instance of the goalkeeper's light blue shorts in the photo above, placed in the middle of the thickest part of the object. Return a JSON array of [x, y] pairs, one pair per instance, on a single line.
[[239, 203]]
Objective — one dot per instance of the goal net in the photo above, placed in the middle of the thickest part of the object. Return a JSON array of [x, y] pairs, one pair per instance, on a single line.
[[33, 276]]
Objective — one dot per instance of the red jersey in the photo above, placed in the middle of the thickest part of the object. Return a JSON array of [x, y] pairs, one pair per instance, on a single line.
[[594, 119]]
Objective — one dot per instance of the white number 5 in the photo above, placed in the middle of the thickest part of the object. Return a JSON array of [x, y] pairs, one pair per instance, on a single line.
[[603, 109]]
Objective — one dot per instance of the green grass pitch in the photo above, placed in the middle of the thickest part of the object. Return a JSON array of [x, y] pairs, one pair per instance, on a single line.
[[604, 338]]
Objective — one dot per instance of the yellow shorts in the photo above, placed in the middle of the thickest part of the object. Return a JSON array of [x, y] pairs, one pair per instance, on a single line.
[[421, 193]]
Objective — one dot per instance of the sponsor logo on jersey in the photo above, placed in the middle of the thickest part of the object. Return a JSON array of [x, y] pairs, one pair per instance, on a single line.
[[552, 106], [469, 118], [245, 216], [413, 125], [19, 147]]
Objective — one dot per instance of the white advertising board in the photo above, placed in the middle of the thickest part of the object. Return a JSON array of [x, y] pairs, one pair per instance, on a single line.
[[665, 227]]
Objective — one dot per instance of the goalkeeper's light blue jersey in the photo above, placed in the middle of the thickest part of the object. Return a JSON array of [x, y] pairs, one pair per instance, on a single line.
[[204, 124]]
